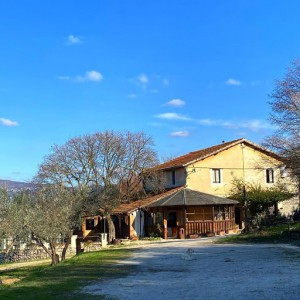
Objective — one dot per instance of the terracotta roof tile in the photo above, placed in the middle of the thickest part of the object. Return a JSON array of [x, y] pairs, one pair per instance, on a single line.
[[195, 156]]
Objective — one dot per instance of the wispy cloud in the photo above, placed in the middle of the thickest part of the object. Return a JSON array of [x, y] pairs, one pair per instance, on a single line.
[[73, 40], [165, 82], [256, 125], [172, 116], [90, 76], [7, 122], [132, 96], [176, 102], [180, 133], [232, 81], [207, 122], [143, 80], [253, 125]]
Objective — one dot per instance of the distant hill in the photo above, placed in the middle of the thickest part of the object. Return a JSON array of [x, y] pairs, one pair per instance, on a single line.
[[15, 185]]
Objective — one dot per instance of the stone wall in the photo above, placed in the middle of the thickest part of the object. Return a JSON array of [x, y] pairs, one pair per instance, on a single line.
[[30, 253], [34, 252]]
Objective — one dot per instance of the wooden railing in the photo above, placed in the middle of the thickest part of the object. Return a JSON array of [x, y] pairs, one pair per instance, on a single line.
[[204, 227]]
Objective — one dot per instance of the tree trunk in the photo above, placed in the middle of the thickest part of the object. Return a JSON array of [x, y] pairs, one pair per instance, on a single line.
[[40, 243], [54, 255], [111, 229], [66, 245]]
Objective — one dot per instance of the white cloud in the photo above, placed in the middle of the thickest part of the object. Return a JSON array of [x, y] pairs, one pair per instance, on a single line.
[[7, 122], [180, 133], [232, 81], [90, 76], [132, 96], [172, 116], [72, 40], [143, 80], [176, 102], [253, 125], [256, 125], [207, 122], [165, 82]]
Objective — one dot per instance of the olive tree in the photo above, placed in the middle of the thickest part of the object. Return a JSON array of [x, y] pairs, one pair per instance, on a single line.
[[14, 216], [108, 163], [54, 212]]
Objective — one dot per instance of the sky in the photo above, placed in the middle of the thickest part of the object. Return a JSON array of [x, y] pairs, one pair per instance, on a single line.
[[191, 74]]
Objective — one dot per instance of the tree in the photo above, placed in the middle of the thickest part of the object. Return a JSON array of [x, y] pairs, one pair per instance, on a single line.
[[285, 104], [48, 214], [259, 200], [14, 216], [54, 212], [107, 163]]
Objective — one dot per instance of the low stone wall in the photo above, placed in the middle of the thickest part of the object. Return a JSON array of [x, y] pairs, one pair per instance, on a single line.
[[91, 246], [30, 253]]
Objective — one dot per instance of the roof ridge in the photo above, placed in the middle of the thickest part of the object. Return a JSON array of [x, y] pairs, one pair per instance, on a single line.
[[184, 159], [173, 195]]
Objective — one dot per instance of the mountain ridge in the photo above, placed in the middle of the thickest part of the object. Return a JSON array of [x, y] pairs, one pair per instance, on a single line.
[[12, 185]]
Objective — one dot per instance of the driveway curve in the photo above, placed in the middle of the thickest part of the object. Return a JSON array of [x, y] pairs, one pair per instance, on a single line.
[[200, 269]]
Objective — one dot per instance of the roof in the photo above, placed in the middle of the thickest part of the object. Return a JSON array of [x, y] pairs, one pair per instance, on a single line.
[[175, 197], [195, 156], [130, 207], [188, 197]]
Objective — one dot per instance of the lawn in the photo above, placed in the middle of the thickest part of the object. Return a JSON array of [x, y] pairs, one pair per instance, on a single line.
[[280, 233], [64, 280]]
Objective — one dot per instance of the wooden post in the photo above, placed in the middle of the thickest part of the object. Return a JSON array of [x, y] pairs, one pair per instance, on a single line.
[[165, 224], [120, 227], [213, 219], [184, 222]]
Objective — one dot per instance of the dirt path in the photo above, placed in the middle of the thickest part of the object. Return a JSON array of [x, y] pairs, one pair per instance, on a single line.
[[166, 271]]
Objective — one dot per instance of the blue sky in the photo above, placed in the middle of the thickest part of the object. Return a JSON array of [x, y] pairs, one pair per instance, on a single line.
[[189, 73]]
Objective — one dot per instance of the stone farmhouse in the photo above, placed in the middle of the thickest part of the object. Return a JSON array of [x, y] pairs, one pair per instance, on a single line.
[[197, 185]]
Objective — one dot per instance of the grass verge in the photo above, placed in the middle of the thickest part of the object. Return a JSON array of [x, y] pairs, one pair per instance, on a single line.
[[64, 280], [281, 233]]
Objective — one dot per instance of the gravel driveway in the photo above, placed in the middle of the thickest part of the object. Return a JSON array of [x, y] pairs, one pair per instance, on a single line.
[[168, 271]]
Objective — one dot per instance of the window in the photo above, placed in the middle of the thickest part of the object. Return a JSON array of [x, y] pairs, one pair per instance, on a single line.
[[173, 177], [216, 175], [269, 175], [89, 224]]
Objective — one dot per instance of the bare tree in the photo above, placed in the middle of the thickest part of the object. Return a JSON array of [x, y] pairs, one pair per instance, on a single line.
[[285, 104], [108, 163]]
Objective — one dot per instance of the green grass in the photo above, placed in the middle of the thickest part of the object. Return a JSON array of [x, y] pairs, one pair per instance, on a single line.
[[272, 234], [64, 280]]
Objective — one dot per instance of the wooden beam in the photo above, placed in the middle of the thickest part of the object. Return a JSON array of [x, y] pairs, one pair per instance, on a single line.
[[165, 216]]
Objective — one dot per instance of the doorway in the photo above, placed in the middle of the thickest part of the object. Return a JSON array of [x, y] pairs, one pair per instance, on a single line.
[[172, 224]]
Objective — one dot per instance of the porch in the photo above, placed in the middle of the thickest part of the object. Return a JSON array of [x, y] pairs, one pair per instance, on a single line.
[[189, 213]]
